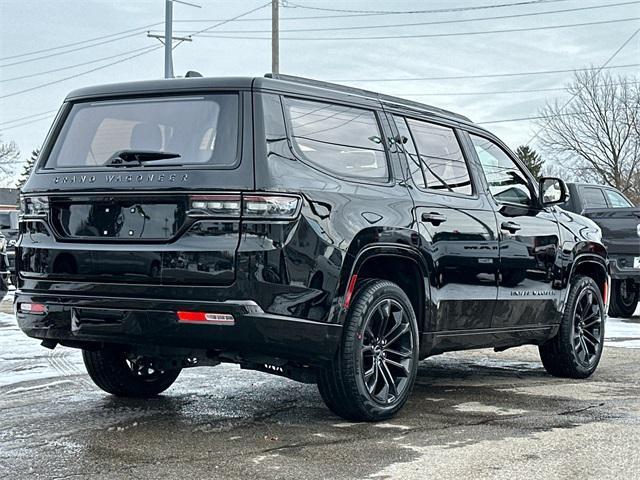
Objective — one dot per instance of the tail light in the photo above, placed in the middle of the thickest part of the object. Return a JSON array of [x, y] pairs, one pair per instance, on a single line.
[[270, 206], [216, 205], [33, 308], [278, 207]]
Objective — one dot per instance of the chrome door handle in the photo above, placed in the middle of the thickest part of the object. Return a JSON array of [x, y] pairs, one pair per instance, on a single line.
[[433, 218], [510, 227]]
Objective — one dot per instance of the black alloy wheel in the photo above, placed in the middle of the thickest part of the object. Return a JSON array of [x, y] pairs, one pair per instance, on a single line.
[[576, 349], [375, 368], [587, 341], [386, 351]]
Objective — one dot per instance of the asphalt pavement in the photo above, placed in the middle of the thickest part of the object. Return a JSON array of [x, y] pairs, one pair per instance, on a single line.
[[472, 415]]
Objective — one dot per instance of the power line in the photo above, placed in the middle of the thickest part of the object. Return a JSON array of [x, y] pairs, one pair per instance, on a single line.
[[23, 124], [12, 94], [430, 35], [80, 42], [437, 22], [222, 22], [439, 10], [97, 60], [361, 14], [522, 119], [497, 92], [70, 50], [602, 67], [489, 75], [27, 117]]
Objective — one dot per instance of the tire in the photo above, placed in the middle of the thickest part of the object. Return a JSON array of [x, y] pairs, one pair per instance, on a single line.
[[115, 373], [624, 298], [576, 350], [357, 385]]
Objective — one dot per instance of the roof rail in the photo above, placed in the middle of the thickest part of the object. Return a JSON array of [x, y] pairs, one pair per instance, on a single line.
[[359, 91], [319, 83]]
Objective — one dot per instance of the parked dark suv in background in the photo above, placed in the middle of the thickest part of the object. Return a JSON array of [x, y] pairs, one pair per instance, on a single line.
[[619, 220], [304, 229]]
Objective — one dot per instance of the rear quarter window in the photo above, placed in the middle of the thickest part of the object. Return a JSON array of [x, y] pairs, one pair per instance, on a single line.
[[338, 139], [593, 198], [202, 129]]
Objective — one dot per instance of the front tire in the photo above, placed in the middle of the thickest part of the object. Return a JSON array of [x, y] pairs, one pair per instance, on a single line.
[[624, 298], [375, 368], [120, 374], [576, 350]]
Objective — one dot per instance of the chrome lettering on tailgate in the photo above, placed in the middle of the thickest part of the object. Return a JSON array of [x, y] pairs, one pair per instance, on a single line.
[[124, 178]]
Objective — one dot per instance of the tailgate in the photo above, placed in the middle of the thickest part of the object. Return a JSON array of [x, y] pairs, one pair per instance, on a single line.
[[620, 229], [135, 239]]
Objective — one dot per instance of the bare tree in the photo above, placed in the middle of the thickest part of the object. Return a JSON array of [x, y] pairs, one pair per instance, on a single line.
[[596, 136], [9, 160]]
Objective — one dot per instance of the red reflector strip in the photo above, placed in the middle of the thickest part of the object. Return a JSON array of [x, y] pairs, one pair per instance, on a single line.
[[349, 293], [605, 293], [204, 317], [33, 308]]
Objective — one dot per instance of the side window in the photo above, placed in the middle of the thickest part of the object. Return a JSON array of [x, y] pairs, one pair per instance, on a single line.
[[410, 150], [617, 200], [441, 157], [594, 198], [339, 139], [507, 183]]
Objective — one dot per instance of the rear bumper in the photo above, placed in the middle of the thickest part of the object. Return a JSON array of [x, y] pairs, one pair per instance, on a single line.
[[77, 321], [621, 268]]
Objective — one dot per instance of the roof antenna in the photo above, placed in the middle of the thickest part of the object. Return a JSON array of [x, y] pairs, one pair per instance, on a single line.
[[192, 74]]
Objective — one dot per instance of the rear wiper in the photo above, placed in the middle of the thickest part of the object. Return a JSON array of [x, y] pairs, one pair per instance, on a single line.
[[137, 157]]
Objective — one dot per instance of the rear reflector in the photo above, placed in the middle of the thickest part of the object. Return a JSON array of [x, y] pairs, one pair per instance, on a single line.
[[349, 293], [207, 318], [33, 308]]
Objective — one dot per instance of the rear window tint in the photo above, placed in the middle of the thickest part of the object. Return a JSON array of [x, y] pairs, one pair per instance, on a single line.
[[339, 139], [201, 129]]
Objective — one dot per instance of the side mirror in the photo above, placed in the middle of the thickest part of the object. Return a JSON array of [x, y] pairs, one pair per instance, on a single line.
[[553, 191]]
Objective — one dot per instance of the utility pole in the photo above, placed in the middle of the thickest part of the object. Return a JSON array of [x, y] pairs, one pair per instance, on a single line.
[[275, 40], [168, 37]]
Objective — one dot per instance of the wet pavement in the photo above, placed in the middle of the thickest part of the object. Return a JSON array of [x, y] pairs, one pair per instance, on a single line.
[[472, 415]]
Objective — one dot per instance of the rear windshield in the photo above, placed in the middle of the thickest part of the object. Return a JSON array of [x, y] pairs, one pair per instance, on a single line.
[[202, 129]]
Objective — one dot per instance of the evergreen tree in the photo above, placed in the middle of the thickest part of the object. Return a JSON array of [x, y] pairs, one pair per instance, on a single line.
[[28, 167], [531, 159]]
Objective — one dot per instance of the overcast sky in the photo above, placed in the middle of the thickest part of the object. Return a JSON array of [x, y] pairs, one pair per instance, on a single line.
[[34, 25]]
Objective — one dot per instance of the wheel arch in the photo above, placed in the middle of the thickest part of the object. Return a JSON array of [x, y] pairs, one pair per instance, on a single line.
[[400, 264], [595, 267]]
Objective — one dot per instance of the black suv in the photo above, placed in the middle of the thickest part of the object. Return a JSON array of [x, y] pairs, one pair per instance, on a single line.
[[319, 232]]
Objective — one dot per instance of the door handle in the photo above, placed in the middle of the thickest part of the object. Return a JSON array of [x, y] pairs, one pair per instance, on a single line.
[[433, 218], [510, 227]]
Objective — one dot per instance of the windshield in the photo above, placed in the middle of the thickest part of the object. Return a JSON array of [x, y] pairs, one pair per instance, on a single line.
[[202, 129]]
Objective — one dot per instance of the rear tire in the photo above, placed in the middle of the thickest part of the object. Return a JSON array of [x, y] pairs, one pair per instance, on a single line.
[[624, 298], [114, 372], [576, 350], [375, 368]]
